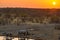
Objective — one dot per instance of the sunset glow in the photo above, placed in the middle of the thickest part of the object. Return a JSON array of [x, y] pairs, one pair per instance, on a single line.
[[30, 3]]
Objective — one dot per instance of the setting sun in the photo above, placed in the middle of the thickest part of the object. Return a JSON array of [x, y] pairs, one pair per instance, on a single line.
[[54, 3]]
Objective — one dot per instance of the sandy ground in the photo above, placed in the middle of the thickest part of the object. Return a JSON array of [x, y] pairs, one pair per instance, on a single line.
[[3, 38]]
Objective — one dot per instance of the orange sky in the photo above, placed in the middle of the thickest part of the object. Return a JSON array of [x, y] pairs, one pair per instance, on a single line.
[[30, 3]]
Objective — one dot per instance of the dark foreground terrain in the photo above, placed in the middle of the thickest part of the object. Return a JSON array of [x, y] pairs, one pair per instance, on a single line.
[[43, 31]]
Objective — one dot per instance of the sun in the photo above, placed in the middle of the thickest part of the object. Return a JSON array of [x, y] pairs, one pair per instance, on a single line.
[[54, 3]]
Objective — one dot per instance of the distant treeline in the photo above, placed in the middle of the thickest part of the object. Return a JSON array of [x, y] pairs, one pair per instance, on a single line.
[[26, 15]]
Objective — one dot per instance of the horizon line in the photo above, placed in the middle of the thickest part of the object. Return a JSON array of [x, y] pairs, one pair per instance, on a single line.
[[30, 8]]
